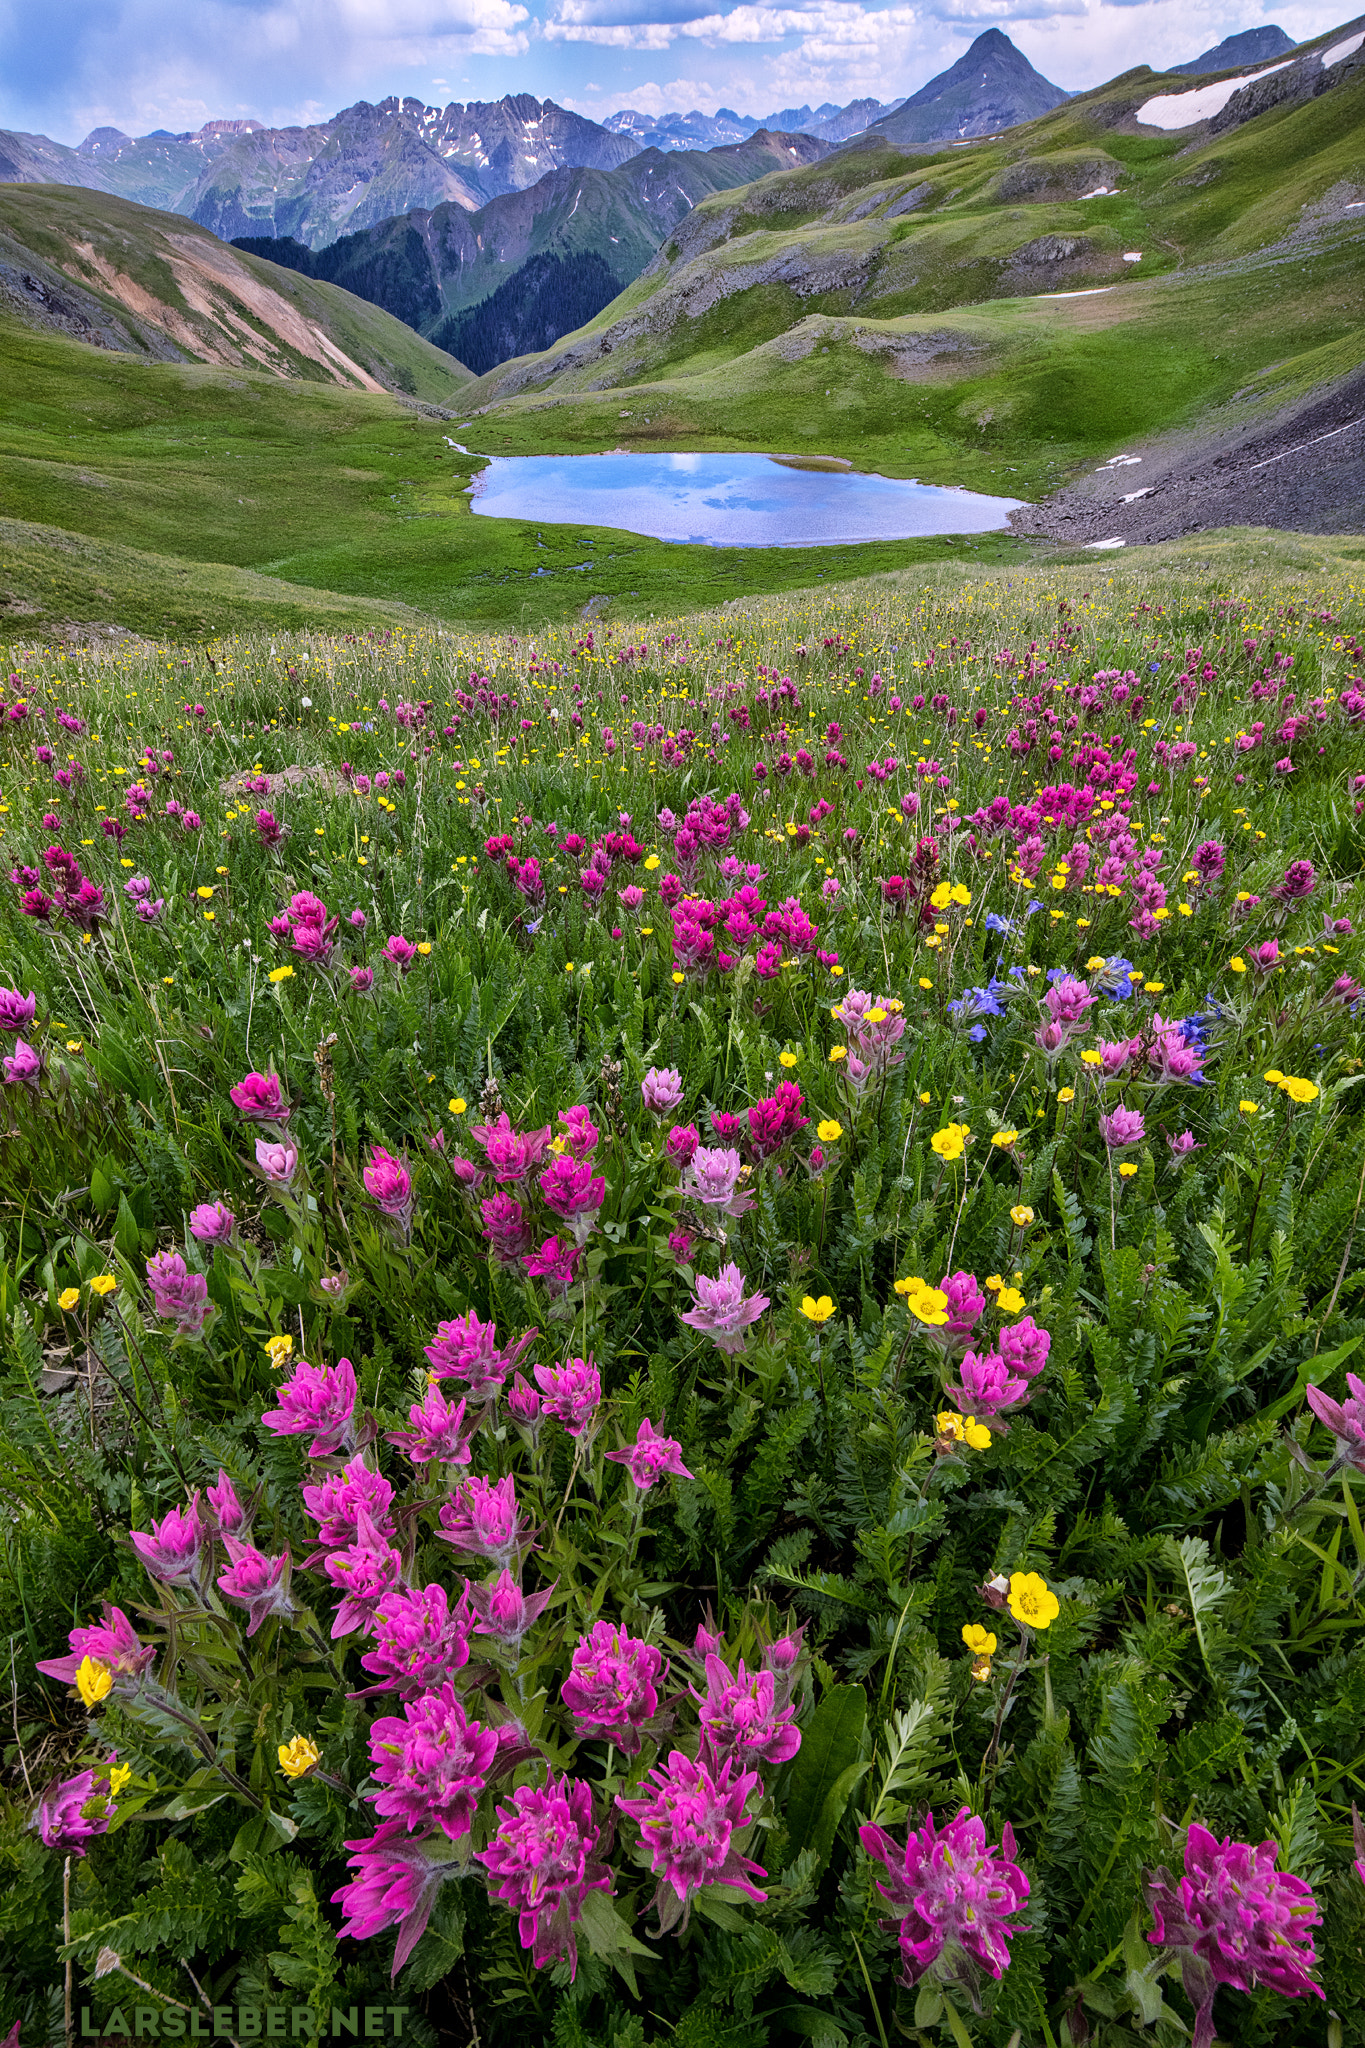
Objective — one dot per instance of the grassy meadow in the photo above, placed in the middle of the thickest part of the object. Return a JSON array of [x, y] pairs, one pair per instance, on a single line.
[[647, 1269]]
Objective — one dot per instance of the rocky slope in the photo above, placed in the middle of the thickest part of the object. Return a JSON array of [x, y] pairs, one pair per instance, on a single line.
[[137, 282]]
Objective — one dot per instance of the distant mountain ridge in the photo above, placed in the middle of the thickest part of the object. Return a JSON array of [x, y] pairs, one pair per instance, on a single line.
[[366, 164], [696, 130], [551, 256], [992, 86], [1252, 46]]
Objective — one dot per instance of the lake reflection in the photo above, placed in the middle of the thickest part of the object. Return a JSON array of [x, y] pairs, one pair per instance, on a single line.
[[745, 501]]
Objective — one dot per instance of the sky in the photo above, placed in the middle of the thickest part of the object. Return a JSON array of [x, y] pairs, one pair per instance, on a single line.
[[67, 66]]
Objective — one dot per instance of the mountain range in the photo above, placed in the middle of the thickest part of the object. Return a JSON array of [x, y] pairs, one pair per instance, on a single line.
[[371, 163], [581, 236], [826, 123]]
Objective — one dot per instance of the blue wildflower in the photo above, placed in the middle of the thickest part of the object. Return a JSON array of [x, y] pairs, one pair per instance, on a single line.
[[1114, 979], [1003, 925]]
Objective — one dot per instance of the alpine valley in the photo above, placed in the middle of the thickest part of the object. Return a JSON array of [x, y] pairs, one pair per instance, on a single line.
[[285, 353]]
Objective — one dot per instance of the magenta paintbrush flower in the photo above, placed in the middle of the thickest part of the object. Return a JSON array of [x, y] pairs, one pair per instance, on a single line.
[[438, 1433], [541, 1863], [113, 1642], [688, 1818], [170, 1549], [1024, 1347], [953, 1897], [320, 1398], [212, 1223], [511, 1154], [395, 1885], [553, 1263], [483, 1519], [650, 1457], [72, 1811], [467, 1349], [417, 1639], [22, 1068], [389, 1186], [573, 1192], [571, 1393], [503, 1611], [338, 1503], [278, 1163], [399, 952], [662, 1091], [742, 1718], [229, 1514], [364, 1575], [1234, 1919], [178, 1296], [507, 1228], [712, 1178], [722, 1311], [611, 1686], [1122, 1127], [987, 1387], [256, 1582], [261, 1099], [432, 1764], [16, 1012], [1345, 1419]]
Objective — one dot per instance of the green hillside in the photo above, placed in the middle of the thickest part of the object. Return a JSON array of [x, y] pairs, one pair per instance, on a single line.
[[156, 285], [906, 310]]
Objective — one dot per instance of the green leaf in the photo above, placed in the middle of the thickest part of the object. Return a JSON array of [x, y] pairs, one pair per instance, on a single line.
[[1316, 1370], [127, 1231], [609, 1938], [103, 1194], [829, 1749]]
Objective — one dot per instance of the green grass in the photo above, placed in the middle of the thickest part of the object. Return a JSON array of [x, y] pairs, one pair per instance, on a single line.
[[52, 581]]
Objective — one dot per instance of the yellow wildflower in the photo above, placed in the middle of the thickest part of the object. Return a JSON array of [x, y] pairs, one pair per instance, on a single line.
[[1066, 1095], [278, 1350], [1004, 1139], [1237, 964], [1127, 1170], [68, 1299], [94, 1681], [1009, 1301], [1248, 1108], [950, 1142], [103, 1283], [119, 1774], [298, 1757], [787, 1059], [1021, 1214], [838, 1052], [285, 973], [828, 1132], [1298, 1090], [817, 1311], [1030, 1601], [980, 1641], [457, 1105]]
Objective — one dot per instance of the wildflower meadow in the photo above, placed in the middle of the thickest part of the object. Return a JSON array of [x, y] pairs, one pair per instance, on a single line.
[[682, 1328]]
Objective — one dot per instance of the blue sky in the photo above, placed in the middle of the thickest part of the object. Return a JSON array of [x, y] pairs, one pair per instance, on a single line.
[[69, 65]]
